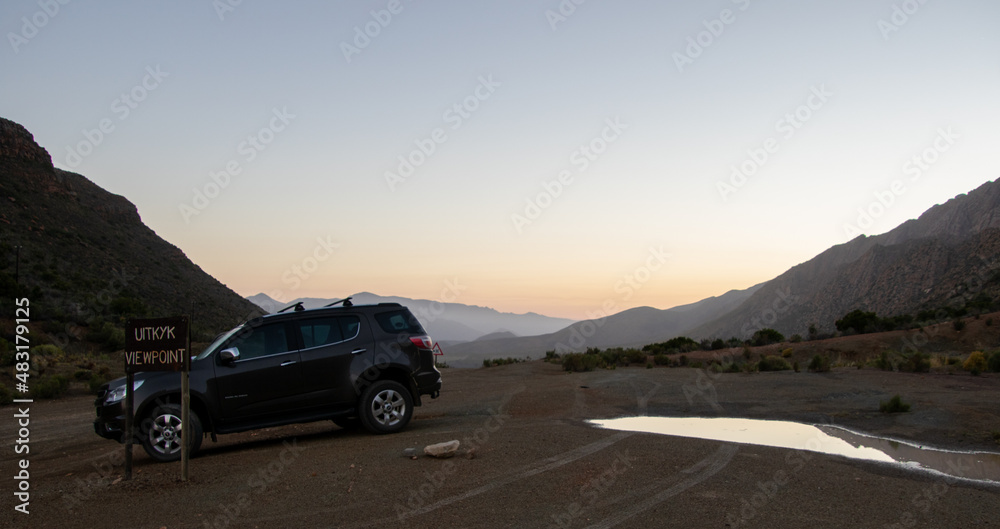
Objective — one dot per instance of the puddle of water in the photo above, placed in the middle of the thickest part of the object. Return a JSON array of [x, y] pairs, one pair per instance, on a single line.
[[976, 466]]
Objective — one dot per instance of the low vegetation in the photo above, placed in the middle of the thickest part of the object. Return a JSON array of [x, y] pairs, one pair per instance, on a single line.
[[894, 405]]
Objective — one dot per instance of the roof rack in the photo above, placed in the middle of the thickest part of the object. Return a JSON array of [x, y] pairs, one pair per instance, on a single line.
[[298, 308], [346, 302]]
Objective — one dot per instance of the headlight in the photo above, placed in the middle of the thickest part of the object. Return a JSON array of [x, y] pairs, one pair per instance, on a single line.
[[118, 394]]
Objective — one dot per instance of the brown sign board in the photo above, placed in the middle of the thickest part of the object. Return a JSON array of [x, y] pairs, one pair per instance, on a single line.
[[160, 344]]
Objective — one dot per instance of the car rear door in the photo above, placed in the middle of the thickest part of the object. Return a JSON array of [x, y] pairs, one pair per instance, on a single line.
[[336, 349]]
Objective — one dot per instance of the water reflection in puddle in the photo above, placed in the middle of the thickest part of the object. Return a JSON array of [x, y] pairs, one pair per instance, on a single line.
[[978, 466]]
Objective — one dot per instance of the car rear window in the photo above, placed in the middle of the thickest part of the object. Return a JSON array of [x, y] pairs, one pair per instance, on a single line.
[[399, 321], [328, 330]]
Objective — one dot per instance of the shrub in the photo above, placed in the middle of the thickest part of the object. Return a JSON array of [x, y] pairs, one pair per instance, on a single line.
[[894, 405], [883, 362], [795, 366], [50, 387], [635, 356], [683, 360], [976, 363], [787, 353], [661, 360], [819, 364], [83, 375], [718, 343], [994, 362], [649, 365], [766, 337], [6, 397], [917, 363], [796, 338], [773, 363], [577, 362], [958, 325]]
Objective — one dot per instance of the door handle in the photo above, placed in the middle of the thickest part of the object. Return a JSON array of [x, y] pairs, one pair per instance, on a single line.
[[358, 351], [288, 363]]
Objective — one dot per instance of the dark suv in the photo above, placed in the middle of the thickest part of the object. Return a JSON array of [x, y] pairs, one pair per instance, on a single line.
[[366, 365]]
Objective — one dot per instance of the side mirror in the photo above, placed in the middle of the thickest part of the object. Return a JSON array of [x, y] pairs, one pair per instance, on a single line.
[[228, 356]]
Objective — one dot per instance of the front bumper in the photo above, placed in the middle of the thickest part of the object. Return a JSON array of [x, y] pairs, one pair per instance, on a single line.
[[110, 421]]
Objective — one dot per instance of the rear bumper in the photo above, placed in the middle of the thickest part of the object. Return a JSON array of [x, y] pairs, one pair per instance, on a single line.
[[428, 383]]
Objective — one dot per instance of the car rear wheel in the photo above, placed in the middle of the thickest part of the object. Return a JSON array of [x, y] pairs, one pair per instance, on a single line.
[[386, 407], [162, 435]]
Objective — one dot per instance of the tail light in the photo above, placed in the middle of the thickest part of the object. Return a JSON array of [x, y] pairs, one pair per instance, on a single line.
[[422, 342]]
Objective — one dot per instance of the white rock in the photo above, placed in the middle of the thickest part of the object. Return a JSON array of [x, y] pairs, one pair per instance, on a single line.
[[442, 450]]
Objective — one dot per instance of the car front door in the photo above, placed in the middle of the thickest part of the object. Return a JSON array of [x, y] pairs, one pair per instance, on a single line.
[[264, 378]]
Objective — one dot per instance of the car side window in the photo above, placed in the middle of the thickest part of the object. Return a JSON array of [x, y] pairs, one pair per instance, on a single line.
[[323, 331], [265, 340]]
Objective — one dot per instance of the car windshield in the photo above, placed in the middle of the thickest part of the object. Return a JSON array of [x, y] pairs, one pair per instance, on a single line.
[[218, 341]]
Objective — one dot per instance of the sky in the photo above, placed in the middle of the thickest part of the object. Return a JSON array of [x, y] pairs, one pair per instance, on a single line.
[[570, 158]]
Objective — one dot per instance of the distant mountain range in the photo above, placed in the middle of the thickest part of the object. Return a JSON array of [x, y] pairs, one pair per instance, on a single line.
[[946, 257], [446, 322]]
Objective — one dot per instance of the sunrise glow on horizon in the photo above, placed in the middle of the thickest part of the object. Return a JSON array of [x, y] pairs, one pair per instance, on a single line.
[[543, 158]]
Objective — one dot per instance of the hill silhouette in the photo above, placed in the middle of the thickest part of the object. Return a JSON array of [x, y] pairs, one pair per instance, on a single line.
[[87, 262]]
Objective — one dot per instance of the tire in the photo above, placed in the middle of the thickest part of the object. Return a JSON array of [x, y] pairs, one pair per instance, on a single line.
[[348, 423], [386, 407], [161, 433]]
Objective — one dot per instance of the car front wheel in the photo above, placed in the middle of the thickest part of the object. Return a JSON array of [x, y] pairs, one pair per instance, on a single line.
[[386, 407], [162, 435]]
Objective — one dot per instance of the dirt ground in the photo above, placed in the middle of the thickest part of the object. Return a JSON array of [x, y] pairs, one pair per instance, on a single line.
[[535, 461]]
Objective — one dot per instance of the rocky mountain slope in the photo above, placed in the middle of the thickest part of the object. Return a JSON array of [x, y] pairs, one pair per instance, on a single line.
[[949, 255], [87, 261]]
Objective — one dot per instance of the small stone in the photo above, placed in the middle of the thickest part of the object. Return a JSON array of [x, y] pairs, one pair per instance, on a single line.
[[410, 453], [442, 450]]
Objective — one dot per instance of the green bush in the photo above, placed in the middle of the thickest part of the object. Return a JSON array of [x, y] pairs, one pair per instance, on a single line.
[[6, 397], [994, 362], [819, 364], [773, 363], [49, 387], [766, 337], [576, 362], [917, 363], [661, 360], [787, 353], [976, 363], [635, 356], [958, 325], [883, 362], [894, 405]]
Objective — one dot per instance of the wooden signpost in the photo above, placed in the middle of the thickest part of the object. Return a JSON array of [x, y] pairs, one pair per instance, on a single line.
[[161, 344]]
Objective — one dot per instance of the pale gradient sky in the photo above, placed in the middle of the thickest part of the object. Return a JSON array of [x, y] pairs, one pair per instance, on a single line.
[[651, 193]]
